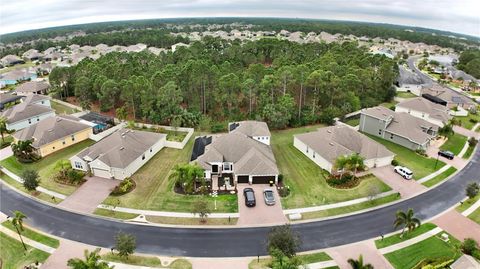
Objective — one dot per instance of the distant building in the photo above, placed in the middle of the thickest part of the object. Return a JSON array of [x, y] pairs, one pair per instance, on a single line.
[[32, 110], [32, 87]]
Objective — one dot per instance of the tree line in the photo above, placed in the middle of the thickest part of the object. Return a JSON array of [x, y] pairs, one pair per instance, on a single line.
[[469, 61], [281, 82]]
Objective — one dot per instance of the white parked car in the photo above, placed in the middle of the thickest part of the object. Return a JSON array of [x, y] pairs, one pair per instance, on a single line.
[[404, 172]]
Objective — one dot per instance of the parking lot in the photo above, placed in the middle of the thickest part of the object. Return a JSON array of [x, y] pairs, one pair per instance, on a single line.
[[261, 213]]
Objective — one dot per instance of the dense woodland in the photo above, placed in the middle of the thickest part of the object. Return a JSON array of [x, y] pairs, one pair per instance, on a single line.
[[469, 61], [281, 82], [152, 32]]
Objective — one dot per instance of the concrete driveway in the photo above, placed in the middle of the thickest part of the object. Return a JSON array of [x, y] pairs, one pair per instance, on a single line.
[[261, 213], [433, 150], [406, 188], [86, 198]]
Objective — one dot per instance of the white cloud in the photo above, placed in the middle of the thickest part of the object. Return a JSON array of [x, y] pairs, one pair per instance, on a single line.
[[458, 16]]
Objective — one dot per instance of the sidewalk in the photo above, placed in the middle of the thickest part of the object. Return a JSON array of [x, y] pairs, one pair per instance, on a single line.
[[410, 242], [27, 241], [471, 209], [458, 225], [40, 189], [432, 175]]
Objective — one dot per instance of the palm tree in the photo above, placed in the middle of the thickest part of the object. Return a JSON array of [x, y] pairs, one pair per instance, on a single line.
[[92, 261], [3, 128], [23, 149], [355, 162], [341, 163], [17, 222], [407, 219], [358, 264]]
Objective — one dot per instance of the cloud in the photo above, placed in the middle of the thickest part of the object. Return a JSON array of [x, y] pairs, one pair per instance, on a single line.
[[457, 16]]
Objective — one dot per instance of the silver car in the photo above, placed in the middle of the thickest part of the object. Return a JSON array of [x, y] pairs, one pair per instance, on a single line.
[[269, 197]]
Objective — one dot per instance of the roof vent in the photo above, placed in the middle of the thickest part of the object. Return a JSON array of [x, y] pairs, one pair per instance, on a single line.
[[122, 148]]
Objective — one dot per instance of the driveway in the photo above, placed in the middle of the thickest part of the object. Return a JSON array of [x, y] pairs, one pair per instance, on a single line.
[[406, 188], [86, 198], [466, 132], [433, 150], [458, 225], [261, 213], [367, 249]]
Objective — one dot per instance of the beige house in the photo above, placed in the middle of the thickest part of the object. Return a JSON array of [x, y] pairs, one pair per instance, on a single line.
[[325, 145], [32, 87], [424, 109]]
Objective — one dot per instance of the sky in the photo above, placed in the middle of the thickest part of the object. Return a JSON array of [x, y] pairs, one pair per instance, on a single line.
[[460, 16]]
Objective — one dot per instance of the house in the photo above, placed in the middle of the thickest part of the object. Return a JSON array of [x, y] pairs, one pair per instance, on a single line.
[[398, 127], [120, 154], [326, 144], [17, 75], [33, 109], [409, 81], [45, 68], [8, 99], [99, 121], [465, 262], [178, 45], [424, 109], [54, 133], [10, 60], [32, 55], [234, 158], [32, 87], [257, 130], [450, 97]]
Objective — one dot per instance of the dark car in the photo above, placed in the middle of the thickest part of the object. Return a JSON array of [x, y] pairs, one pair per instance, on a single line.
[[447, 154], [249, 195]]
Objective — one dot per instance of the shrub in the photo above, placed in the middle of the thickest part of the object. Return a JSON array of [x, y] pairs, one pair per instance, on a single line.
[[125, 244], [421, 152], [345, 182], [284, 239], [469, 245], [30, 179], [395, 162], [284, 191], [472, 190], [75, 176], [218, 128], [472, 142], [125, 186]]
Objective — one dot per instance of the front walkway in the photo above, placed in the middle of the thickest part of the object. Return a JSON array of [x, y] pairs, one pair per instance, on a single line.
[[5, 153], [406, 188], [458, 225], [466, 132], [367, 249], [86, 198]]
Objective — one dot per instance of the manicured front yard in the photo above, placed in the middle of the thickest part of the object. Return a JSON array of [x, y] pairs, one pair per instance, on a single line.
[[467, 203], [440, 177], [466, 121], [305, 259], [420, 165], [455, 143], [13, 254], [431, 248], [45, 167], [154, 190], [306, 179], [29, 233], [475, 216], [395, 239], [19, 186], [62, 109]]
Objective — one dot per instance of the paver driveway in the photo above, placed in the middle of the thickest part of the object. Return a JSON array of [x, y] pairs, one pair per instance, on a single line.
[[367, 249], [261, 213], [406, 188], [86, 198], [458, 225]]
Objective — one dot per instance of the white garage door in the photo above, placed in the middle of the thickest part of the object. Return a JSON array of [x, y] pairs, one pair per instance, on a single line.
[[101, 173]]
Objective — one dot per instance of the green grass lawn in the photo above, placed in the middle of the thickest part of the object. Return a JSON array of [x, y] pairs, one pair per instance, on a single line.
[[353, 122], [431, 248], [467, 203], [45, 167], [475, 216], [13, 254], [19, 186], [62, 109], [468, 153], [306, 179], [352, 208], [390, 104], [440, 177], [465, 121], [154, 190], [305, 259], [29, 233], [420, 165], [406, 95], [147, 261], [7, 140], [395, 239], [455, 143]]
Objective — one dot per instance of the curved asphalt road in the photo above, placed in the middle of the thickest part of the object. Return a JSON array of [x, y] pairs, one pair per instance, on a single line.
[[232, 242]]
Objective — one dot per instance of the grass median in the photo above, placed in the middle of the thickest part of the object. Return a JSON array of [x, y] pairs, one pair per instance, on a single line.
[[395, 239], [440, 178], [31, 234], [305, 259], [19, 186]]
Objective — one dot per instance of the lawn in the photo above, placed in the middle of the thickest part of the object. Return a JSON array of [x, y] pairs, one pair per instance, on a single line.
[[10, 68], [468, 153], [406, 95], [352, 208], [395, 239], [455, 143], [352, 121], [390, 104], [13, 254], [19, 186], [305, 259], [440, 177], [28, 233], [147, 261], [475, 216], [307, 180], [467, 203], [466, 121], [154, 190], [431, 248], [7, 140], [62, 109], [192, 221], [45, 167], [420, 165]]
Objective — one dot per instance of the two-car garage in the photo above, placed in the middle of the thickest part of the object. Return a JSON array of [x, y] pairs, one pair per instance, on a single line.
[[256, 179]]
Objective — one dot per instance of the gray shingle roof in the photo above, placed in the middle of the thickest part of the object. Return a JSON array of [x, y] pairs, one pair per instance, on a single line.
[[122, 147], [32, 86], [25, 110], [51, 129], [252, 128], [335, 141], [447, 95], [435, 111], [408, 77]]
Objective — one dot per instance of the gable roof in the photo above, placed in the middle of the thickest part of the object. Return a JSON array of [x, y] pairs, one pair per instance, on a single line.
[[447, 95], [406, 76], [435, 111], [250, 128], [51, 129], [250, 157], [335, 141], [26, 109], [17, 74], [122, 147], [32, 86]]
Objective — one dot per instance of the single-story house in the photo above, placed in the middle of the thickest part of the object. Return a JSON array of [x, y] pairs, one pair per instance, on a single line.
[[424, 109], [450, 97], [45, 68], [33, 109], [120, 154], [257, 130], [236, 158], [32, 55], [17, 75], [10, 60], [54, 133], [8, 100], [325, 145], [398, 127], [32, 87]]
